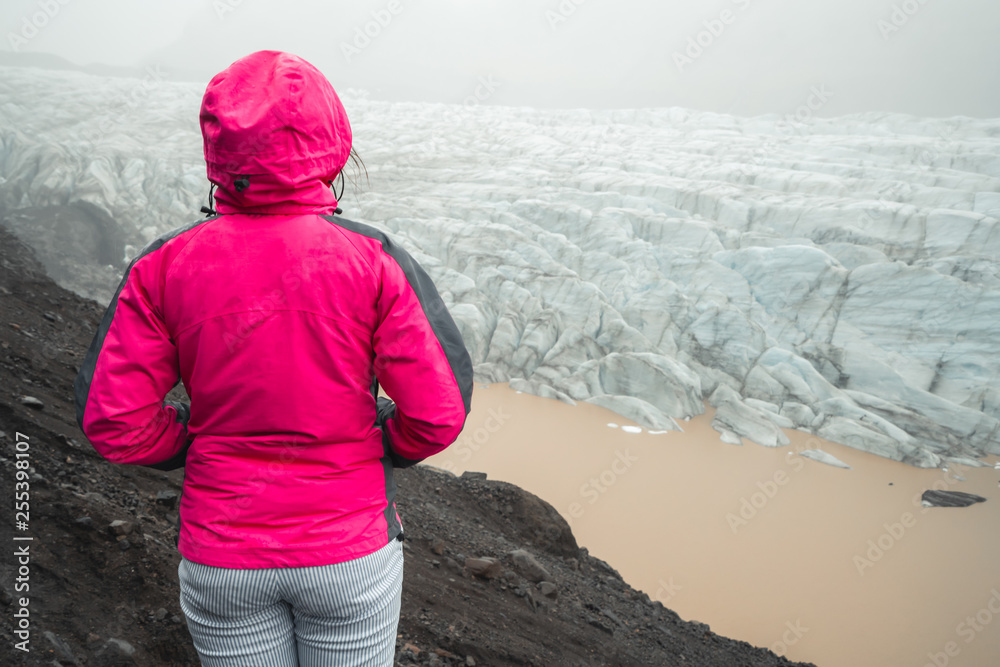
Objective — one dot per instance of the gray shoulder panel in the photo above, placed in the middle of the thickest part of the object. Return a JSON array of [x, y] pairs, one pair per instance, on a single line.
[[434, 307]]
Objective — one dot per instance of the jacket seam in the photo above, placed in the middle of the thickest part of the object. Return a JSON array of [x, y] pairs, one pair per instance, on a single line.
[[347, 237], [197, 230], [352, 325], [382, 238]]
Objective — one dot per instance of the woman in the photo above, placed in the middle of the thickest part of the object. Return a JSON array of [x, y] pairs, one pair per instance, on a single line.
[[281, 320]]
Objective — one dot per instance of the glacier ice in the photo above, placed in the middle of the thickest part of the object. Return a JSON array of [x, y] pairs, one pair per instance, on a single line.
[[824, 457], [836, 275]]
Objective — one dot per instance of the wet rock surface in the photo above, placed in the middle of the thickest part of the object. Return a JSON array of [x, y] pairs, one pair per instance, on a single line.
[[104, 562]]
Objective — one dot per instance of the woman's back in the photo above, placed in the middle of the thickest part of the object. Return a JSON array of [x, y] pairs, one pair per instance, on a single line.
[[281, 319], [277, 350], [277, 316]]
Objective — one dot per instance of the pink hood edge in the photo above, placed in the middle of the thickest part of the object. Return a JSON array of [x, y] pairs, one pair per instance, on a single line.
[[274, 118]]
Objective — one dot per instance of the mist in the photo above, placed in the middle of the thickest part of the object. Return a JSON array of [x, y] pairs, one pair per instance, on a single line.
[[746, 57]]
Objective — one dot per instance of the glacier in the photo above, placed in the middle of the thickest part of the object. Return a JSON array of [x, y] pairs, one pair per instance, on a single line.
[[838, 276]]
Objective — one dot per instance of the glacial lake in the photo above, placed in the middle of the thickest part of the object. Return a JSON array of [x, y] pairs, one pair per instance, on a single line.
[[837, 567]]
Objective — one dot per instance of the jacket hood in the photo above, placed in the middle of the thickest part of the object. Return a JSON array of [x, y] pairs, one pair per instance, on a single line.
[[273, 123]]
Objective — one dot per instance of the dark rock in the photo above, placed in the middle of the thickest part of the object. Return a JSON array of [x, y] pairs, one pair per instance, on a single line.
[[32, 402], [950, 499], [549, 590], [601, 626], [119, 646], [700, 628], [468, 474], [124, 545], [539, 524], [529, 567], [119, 527], [168, 498], [484, 568], [612, 615], [85, 522], [66, 654]]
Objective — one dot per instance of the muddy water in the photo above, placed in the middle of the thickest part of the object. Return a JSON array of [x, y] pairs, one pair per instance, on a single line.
[[843, 568]]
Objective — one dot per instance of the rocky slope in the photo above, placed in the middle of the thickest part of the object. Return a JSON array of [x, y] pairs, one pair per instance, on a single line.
[[838, 276], [493, 574]]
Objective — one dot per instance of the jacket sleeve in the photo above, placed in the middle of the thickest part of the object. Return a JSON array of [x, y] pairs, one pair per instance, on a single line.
[[129, 369], [420, 360]]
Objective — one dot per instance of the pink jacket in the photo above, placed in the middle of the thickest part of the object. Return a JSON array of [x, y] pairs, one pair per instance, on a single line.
[[278, 318]]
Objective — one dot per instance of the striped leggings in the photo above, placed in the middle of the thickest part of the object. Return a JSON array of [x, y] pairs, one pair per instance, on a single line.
[[340, 615]]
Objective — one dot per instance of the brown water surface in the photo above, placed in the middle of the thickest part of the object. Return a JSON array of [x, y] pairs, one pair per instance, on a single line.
[[843, 568]]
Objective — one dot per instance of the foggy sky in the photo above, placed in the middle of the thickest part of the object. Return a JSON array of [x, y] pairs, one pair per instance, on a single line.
[[926, 57]]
